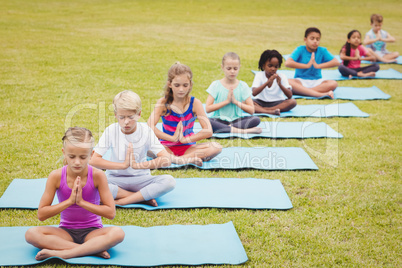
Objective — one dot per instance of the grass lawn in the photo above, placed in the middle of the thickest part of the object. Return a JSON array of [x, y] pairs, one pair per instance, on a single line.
[[62, 62]]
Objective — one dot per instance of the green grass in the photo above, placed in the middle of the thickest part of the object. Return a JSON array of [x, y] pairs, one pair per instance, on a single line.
[[61, 63]]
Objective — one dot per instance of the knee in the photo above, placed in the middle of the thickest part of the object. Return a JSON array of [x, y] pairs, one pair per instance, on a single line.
[[376, 67], [292, 103], [332, 84], [31, 235], [169, 182], [117, 234], [217, 147]]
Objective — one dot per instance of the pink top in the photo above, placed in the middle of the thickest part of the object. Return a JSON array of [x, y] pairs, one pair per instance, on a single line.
[[355, 63], [75, 217]]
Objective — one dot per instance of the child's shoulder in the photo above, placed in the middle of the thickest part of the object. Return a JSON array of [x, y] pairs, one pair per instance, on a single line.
[[97, 172]]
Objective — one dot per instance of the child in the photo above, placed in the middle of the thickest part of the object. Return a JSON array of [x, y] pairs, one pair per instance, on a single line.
[[308, 61], [178, 111], [272, 92], [84, 198], [128, 171], [228, 98], [352, 53], [376, 39]]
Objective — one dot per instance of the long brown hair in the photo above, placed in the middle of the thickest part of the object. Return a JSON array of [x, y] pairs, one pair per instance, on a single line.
[[175, 70]]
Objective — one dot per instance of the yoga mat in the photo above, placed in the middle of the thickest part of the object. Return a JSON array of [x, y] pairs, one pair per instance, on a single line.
[[263, 158], [319, 110], [246, 193], [353, 93], [280, 130], [336, 75], [152, 246], [398, 60]]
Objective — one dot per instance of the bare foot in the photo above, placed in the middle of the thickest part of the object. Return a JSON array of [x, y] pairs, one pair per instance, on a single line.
[[275, 112], [350, 76], [151, 202], [196, 161], [331, 94], [45, 253], [253, 130], [103, 254]]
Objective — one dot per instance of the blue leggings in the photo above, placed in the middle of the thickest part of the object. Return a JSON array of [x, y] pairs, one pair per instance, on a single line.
[[222, 126]]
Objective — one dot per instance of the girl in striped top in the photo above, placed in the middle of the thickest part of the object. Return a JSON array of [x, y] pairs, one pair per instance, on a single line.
[[179, 111]]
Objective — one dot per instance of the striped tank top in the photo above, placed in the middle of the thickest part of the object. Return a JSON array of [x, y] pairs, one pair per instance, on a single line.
[[170, 121]]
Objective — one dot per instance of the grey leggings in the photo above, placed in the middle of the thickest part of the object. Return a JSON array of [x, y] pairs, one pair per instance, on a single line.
[[221, 126], [149, 186], [345, 71]]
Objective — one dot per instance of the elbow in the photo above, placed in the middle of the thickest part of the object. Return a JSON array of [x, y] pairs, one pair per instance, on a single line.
[[208, 133], [111, 214], [41, 217]]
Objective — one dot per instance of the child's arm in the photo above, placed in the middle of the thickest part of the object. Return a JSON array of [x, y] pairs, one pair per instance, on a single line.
[[153, 120], [247, 106], [107, 207], [163, 159], [45, 209], [369, 55], [369, 41], [343, 56], [332, 63], [257, 90], [285, 90], [388, 39], [290, 63], [210, 106], [98, 162], [206, 131]]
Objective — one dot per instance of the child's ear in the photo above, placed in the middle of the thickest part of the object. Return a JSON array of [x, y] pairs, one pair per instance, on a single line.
[[305, 39]]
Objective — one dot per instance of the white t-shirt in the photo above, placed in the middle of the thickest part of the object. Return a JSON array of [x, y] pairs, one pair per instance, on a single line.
[[274, 93], [143, 140]]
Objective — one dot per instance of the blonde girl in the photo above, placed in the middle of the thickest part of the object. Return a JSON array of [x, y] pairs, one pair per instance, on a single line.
[[84, 198], [229, 98]]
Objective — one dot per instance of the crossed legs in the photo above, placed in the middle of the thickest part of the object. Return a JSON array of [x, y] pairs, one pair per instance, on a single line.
[[56, 242]]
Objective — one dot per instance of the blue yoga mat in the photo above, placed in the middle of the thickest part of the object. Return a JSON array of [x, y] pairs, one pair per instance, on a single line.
[[263, 158], [336, 75], [353, 93], [280, 130], [398, 60], [189, 193], [152, 246], [319, 110]]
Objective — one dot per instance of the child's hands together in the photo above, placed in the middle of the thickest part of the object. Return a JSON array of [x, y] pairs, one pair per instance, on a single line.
[[272, 78], [357, 54], [129, 153], [76, 192], [178, 133], [78, 189]]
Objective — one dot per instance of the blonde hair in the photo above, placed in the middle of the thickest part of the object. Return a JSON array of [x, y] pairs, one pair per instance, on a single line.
[[376, 18], [230, 55], [79, 137], [127, 100], [175, 70]]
